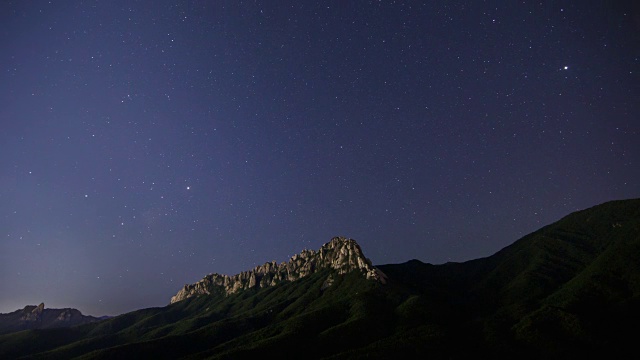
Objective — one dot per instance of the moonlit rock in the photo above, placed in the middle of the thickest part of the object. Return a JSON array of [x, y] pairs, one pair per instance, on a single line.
[[340, 254]]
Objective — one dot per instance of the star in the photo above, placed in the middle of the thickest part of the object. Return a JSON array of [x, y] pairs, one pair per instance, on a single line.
[[352, 167]]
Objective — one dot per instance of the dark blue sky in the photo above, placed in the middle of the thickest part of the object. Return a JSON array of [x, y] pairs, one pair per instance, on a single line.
[[145, 144]]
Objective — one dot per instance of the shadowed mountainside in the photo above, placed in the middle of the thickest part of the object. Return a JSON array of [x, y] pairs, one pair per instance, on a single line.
[[570, 289]]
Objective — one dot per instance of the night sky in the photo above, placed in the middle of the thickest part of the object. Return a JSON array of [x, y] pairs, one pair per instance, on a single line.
[[145, 144]]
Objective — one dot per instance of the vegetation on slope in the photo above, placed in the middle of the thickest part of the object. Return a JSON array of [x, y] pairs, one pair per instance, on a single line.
[[568, 289]]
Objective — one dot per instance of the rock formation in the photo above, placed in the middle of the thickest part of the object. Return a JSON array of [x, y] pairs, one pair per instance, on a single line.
[[37, 317], [340, 254], [32, 313]]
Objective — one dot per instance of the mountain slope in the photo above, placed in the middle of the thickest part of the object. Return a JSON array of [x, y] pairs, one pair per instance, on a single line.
[[567, 289], [564, 288]]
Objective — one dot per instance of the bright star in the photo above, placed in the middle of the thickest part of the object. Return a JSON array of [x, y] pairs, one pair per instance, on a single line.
[[566, 67]]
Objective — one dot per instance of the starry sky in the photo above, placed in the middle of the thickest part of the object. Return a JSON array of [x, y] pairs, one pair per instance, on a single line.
[[145, 144]]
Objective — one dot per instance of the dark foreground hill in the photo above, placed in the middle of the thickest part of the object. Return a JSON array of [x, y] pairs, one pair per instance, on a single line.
[[570, 289]]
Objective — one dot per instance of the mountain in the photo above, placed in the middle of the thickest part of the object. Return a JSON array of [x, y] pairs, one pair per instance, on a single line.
[[340, 254], [37, 317], [570, 289]]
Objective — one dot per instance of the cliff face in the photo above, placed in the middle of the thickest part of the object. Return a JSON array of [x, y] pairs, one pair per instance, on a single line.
[[340, 254], [32, 313]]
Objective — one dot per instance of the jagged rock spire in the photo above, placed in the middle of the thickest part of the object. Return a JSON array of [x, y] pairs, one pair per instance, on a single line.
[[341, 254]]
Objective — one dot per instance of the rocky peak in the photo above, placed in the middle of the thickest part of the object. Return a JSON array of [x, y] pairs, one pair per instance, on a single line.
[[340, 254], [32, 313], [68, 315]]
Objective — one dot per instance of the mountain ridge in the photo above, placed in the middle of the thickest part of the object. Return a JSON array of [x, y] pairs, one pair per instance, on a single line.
[[340, 254], [39, 317], [570, 289]]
